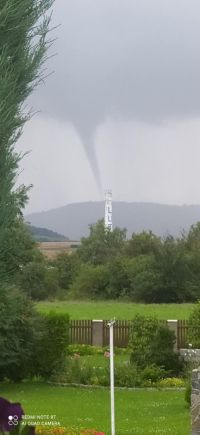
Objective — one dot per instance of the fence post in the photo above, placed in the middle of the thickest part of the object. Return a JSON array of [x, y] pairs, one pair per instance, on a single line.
[[173, 326], [195, 399], [97, 333]]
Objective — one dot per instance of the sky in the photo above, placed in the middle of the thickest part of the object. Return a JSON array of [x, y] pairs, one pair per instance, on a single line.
[[120, 108]]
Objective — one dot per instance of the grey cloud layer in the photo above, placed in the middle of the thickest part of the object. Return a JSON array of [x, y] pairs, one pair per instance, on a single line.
[[124, 59]]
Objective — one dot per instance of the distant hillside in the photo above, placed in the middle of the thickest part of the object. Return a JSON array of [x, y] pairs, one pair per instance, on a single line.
[[73, 219], [45, 235]]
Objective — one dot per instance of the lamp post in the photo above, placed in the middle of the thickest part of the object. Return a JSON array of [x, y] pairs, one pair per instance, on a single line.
[[112, 386]]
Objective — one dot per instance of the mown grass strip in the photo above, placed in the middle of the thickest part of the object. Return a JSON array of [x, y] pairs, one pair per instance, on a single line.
[[121, 310]]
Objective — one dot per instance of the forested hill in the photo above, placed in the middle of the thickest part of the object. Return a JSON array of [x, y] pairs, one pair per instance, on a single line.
[[45, 235], [73, 219]]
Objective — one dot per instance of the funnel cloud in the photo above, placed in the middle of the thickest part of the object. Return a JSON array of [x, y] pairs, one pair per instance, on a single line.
[[122, 61]]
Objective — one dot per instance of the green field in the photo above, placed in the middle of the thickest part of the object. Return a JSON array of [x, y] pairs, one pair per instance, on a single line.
[[137, 412], [121, 310]]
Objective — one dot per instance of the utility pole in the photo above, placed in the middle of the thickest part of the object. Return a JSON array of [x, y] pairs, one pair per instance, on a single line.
[[112, 386]]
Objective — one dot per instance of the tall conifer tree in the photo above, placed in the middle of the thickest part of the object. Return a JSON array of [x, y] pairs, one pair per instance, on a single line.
[[24, 27]]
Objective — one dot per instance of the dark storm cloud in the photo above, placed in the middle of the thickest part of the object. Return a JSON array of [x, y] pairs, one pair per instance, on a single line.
[[124, 59]]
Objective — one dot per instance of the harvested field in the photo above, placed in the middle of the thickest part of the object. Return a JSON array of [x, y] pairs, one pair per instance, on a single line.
[[52, 249]]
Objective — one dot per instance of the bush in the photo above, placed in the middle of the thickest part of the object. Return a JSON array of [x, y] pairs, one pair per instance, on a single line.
[[52, 344], [18, 321], [152, 373], [127, 376], [171, 382], [152, 343]]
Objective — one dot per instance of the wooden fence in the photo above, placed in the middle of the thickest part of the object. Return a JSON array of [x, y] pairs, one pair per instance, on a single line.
[[80, 332], [83, 332], [182, 331], [122, 330]]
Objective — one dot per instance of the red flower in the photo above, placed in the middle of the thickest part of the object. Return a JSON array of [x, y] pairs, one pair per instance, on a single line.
[[107, 354]]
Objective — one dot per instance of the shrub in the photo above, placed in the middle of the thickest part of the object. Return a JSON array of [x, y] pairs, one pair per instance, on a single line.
[[152, 343], [142, 331], [18, 321], [52, 344], [162, 353], [152, 373], [171, 382], [127, 376]]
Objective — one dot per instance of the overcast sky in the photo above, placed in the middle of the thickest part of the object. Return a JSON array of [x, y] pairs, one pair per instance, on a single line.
[[122, 107]]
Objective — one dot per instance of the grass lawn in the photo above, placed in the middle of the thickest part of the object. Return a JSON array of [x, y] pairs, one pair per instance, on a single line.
[[137, 412], [121, 310]]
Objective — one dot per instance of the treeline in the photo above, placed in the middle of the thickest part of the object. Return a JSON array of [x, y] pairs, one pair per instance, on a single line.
[[145, 268]]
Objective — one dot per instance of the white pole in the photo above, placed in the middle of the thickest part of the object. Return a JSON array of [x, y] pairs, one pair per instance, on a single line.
[[112, 391]]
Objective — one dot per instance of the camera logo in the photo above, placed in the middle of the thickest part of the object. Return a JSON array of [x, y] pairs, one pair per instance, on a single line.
[[13, 420]]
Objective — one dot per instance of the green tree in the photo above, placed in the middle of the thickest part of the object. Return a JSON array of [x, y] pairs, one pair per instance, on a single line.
[[67, 266], [39, 280], [17, 249], [193, 238], [91, 282], [23, 43], [32, 280], [144, 243], [119, 277], [173, 265], [145, 280], [101, 244]]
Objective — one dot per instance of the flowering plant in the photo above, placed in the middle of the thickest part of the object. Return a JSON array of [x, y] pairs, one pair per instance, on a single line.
[[66, 431], [10, 419]]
